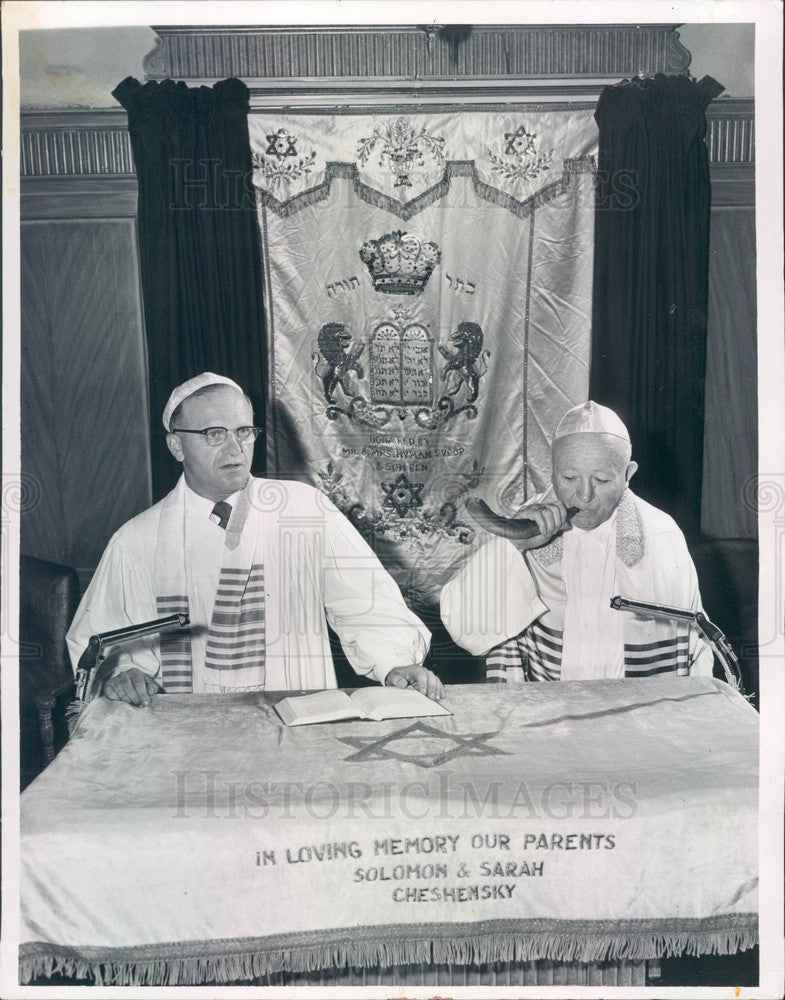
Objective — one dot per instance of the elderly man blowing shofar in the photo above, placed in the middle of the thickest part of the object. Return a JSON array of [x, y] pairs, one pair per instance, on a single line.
[[539, 607], [259, 566]]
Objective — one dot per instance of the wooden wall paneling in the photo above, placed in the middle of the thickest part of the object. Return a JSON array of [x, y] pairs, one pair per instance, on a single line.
[[77, 198], [86, 431], [730, 460], [72, 144], [43, 531]]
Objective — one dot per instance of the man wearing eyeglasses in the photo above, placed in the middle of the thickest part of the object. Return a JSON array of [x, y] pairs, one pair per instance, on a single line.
[[259, 566]]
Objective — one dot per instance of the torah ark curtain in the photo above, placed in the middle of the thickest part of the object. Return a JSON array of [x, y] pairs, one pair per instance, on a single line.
[[428, 283], [651, 280], [198, 245]]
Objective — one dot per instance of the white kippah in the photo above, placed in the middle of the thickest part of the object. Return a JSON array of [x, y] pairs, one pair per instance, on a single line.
[[189, 388], [591, 418]]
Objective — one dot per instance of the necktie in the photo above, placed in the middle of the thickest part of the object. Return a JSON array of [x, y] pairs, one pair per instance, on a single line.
[[221, 513]]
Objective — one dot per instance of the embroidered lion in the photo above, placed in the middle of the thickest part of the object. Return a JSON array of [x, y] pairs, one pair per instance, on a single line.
[[335, 344], [461, 368]]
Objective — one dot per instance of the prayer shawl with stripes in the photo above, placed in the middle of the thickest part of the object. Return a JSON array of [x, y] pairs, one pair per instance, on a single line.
[[236, 638], [510, 608], [535, 655], [318, 570]]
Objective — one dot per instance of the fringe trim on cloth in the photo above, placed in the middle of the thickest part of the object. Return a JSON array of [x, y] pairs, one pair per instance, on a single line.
[[238, 959], [406, 210], [73, 712]]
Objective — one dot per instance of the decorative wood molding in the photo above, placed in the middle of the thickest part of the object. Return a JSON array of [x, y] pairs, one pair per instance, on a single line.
[[76, 198], [731, 131], [61, 145], [730, 138], [75, 143], [732, 185], [435, 96], [258, 54]]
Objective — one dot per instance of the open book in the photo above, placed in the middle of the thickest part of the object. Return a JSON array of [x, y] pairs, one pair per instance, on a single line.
[[375, 703]]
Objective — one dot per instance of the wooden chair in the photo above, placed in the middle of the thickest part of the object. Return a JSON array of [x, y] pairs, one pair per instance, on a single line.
[[48, 599]]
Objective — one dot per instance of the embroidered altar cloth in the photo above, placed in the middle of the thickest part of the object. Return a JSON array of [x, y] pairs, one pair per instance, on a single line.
[[428, 296], [200, 840]]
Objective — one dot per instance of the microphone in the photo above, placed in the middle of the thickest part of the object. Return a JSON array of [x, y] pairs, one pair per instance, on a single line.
[[94, 653], [710, 632], [515, 529], [145, 628]]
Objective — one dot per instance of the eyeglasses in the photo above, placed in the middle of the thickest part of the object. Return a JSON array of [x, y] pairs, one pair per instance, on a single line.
[[217, 435]]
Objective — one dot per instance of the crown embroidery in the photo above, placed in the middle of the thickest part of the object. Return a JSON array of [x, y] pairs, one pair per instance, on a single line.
[[399, 263]]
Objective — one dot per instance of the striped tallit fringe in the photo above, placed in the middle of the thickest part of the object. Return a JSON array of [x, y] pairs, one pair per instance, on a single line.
[[237, 632], [229, 961], [506, 663], [535, 655], [648, 658], [543, 649], [176, 668]]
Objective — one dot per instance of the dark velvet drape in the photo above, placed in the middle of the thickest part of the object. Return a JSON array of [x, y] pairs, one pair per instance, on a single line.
[[199, 244], [651, 280]]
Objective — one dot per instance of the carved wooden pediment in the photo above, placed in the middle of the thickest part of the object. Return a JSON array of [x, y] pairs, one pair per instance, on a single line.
[[428, 57], [388, 67]]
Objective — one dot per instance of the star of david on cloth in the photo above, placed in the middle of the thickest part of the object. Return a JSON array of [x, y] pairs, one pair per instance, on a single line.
[[455, 745], [520, 142], [280, 144], [402, 495], [401, 312]]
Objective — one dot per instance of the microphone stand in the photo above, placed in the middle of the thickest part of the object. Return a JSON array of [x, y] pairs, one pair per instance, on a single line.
[[96, 647], [710, 632]]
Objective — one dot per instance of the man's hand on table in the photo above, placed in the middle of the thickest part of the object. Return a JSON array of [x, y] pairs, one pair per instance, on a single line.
[[416, 676], [133, 686]]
